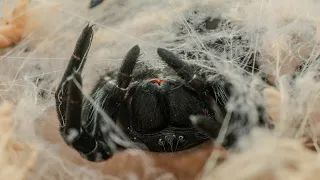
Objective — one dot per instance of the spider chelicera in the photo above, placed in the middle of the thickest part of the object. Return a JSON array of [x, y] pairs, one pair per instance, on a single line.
[[153, 112]]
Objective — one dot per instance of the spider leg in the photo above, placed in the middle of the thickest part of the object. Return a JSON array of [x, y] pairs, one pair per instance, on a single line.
[[77, 62], [109, 96], [68, 99], [207, 90], [72, 109], [126, 69], [74, 135], [95, 3], [186, 72]]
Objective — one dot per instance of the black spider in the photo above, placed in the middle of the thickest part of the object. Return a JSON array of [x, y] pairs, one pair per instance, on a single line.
[[154, 113]]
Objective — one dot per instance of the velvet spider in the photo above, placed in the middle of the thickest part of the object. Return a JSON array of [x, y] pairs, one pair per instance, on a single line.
[[153, 112]]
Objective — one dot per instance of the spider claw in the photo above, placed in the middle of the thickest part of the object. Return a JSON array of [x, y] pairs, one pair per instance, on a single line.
[[95, 3]]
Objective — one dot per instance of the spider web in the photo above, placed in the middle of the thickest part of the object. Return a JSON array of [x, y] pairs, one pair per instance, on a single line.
[[278, 35]]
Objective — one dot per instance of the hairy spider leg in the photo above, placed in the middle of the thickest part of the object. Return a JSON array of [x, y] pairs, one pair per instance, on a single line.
[[89, 147], [185, 71], [109, 95], [69, 104], [69, 100], [76, 62], [126, 69], [206, 90]]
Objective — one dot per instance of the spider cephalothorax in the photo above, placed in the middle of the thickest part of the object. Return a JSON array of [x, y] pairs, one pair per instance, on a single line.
[[153, 112]]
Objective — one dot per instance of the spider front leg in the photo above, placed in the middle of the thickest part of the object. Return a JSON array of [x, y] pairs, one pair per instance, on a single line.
[[215, 94], [68, 99], [109, 96], [76, 62], [70, 104]]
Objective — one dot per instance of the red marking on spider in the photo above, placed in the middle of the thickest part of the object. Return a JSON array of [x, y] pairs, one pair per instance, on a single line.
[[159, 81]]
